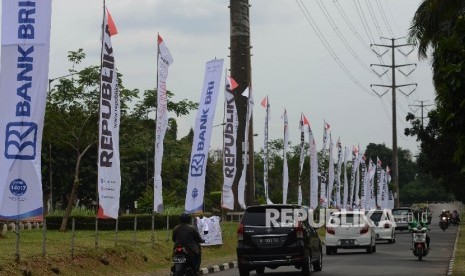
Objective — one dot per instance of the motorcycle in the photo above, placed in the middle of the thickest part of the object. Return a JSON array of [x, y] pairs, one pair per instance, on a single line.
[[420, 249], [182, 262], [444, 223]]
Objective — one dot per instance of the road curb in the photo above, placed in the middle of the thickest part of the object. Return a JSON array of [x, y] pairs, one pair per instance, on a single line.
[[218, 268], [452, 260]]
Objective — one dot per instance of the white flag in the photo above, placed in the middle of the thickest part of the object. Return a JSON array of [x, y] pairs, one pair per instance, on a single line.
[[164, 61], [303, 121], [266, 104], [345, 197], [109, 173], [285, 168], [23, 89], [338, 173], [331, 173], [202, 135]]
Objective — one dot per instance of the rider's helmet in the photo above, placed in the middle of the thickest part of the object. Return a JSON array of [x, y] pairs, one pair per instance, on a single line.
[[185, 218]]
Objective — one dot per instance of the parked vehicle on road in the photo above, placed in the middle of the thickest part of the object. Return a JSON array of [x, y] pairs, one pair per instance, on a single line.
[[349, 230], [402, 217], [270, 236], [384, 225]]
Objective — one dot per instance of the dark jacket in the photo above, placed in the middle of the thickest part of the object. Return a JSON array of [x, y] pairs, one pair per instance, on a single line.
[[188, 236]]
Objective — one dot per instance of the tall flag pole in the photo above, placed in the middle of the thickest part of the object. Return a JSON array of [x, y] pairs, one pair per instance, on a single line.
[[390, 195], [109, 172], [303, 121], [338, 173], [345, 197], [285, 149], [202, 135], [245, 156], [23, 88], [266, 104], [164, 60], [229, 144]]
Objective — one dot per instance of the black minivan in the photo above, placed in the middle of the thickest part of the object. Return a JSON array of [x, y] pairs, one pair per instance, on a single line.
[[277, 235]]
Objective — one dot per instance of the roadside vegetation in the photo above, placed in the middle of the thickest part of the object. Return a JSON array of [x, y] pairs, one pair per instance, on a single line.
[[134, 255], [459, 264]]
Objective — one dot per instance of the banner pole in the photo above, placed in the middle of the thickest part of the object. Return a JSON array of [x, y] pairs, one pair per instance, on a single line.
[[17, 240], [73, 236], [116, 232], [153, 228]]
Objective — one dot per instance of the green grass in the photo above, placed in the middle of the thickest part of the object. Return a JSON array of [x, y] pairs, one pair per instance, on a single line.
[[132, 255]]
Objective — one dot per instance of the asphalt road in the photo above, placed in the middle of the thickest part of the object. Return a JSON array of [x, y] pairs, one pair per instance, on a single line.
[[390, 259]]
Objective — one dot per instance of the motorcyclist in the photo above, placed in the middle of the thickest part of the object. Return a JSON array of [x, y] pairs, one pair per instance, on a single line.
[[186, 234], [419, 223], [455, 216]]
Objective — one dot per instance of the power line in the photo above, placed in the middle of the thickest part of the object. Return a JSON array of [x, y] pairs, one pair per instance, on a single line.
[[422, 106], [328, 47]]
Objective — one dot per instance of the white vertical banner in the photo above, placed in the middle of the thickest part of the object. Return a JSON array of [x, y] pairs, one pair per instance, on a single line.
[[23, 89], [266, 104], [285, 149], [109, 173], [357, 180], [363, 190], [338, 173], [371, 179], [378, 183], [323, 174], [303, 121], [331, 173], [245, 156], [163, 63], [229, 144], [313, 168], [202, 135], [345, 197], [352, 176]]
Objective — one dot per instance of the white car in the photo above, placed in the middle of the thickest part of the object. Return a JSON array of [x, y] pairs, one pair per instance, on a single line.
[[384, 224], [349, 230]]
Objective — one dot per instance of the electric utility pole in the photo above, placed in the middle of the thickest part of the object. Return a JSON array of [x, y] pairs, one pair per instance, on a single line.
[[422, 106], [241, 73], [393, 46]]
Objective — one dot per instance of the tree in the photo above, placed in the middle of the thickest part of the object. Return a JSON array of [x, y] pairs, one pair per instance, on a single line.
[[71, 131]]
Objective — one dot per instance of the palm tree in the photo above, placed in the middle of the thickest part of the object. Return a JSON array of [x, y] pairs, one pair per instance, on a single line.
[[433, 20]]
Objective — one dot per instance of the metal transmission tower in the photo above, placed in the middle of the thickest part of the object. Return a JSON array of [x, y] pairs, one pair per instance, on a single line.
[[241, 72], [393, 87], [422, 106]]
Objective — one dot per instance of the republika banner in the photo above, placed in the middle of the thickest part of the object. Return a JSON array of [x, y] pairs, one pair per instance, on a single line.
[[164, 61], [229, 144], [23, 89], [109, 173], [202, 135]]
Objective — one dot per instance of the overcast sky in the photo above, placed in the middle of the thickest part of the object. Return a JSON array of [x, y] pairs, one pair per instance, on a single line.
[[290, 63]]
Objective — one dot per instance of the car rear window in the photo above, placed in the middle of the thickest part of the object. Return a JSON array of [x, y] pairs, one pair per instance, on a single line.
[[256, 216], [376, 217], [346, 219], [400, 212]]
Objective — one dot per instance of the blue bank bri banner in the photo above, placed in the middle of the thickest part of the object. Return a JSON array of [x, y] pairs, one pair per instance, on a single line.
[[109, 173], [202, 135], [23, 90]]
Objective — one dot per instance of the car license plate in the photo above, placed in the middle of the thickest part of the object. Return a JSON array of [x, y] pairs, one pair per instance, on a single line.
[[179, 259], [347, 242], [268, 241]]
